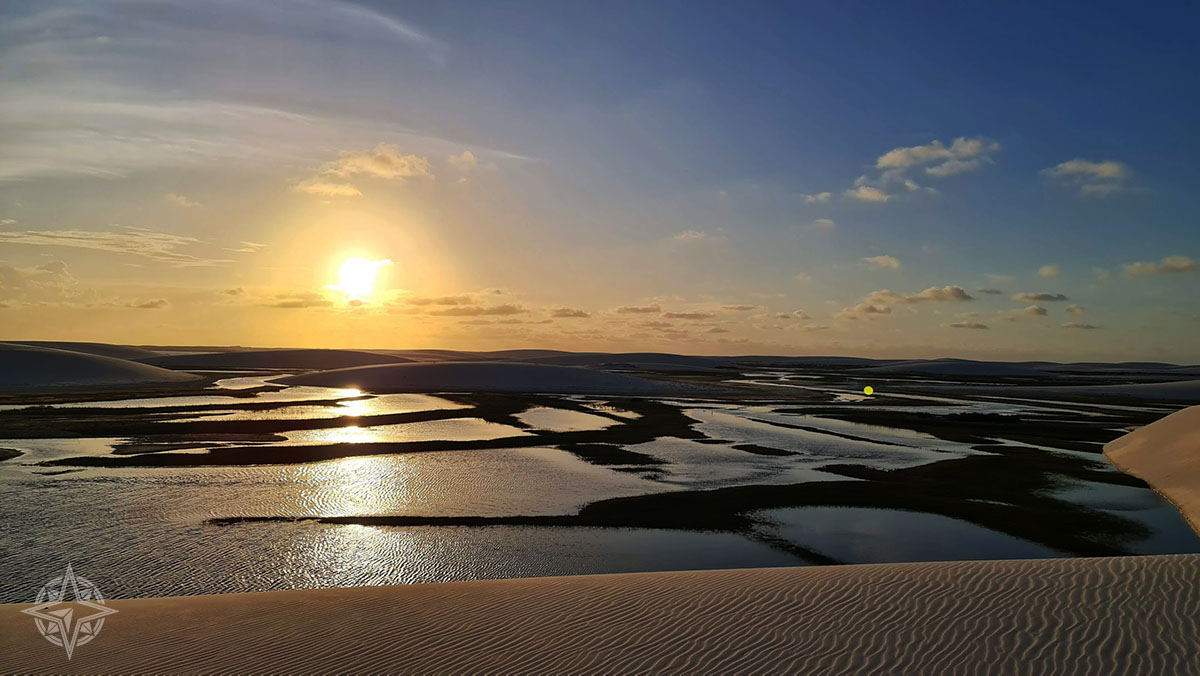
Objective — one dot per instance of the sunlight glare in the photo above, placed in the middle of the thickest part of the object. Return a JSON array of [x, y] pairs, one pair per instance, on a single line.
[[357, 277]]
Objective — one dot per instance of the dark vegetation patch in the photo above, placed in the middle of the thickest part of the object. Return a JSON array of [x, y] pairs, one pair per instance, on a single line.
[[607, 454], [762, 450]]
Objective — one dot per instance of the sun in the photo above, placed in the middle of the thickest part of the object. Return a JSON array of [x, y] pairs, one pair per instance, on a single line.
[[357, 277]]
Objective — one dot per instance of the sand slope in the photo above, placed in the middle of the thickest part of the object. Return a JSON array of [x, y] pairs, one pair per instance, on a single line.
[[24, 367], [1055, 616], [488, 377], [1166, 455], [102, 349], [275, 359]]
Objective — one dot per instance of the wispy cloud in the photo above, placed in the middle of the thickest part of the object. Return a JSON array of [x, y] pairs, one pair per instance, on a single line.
[[180, 200], [569, 313], [638, 309], [966, 325], [385, 162], [156, 246], [817, 198], [1048, 271], [935, 159]]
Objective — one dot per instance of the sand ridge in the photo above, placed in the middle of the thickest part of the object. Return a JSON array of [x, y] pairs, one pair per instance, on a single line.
[[1052, 616]]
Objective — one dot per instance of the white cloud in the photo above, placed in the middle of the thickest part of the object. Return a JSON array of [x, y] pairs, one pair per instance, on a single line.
[[1035, 311], [866, 193], [1076, 310], [963, 155], [817, 198], [882, 262], [863, 310], [689, 236], [1093, 179], [1048, 271], [824, 224], [464, 162], [1168, 265]]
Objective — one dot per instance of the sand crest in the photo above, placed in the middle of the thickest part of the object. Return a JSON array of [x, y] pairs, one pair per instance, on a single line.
[[1054, 616], [25, 367]]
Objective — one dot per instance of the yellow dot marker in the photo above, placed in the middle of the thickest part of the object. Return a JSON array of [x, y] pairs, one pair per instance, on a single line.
[[868, 390]]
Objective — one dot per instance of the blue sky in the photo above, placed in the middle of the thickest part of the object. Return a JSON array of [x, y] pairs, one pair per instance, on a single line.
[[773, 177]]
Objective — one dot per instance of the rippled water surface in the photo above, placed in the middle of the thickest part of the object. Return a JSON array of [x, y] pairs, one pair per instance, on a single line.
[[145, 531]]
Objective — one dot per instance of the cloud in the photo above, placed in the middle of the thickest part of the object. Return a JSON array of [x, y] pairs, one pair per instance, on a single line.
[[866, 193], [863, 310], [180, 200], [1048, 271], [479, 310], [151, 304], [5, 222], [794, 314], [990, 292], [1076, 310], [320, 188], [689, 315], [1100, 274], [464, 162], [300, 299], [238, 291], [936, 159], [248, 247], [1035, 311], [51, 282], [740, 308], [1074, 325], [882, 262], [385, 162], [1040, 297], [639, 309], [689, 236], [1168, 265], [156, 246], [936, 294], [566, 312], [1094, 179], [717, 329], [966, 325], [440, 300], [817, 198], [824, 224]]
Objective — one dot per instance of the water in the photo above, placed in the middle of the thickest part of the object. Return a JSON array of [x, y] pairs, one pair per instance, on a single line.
[[144, 531], [865, 535]]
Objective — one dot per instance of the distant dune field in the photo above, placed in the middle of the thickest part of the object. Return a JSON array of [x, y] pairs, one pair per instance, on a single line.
[[30, 368]]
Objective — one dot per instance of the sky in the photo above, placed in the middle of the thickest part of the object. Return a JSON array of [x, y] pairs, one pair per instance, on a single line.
[[983, 180]]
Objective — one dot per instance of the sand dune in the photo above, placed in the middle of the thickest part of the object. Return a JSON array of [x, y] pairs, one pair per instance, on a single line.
[[1166, 455], [1053, 616], [102, 349], [275, 359], [960, 367], [24, 367], [488, 377]]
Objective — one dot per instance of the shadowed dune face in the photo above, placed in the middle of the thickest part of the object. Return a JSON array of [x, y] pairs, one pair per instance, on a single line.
[[308, 360], [488, 377], [24, 367]]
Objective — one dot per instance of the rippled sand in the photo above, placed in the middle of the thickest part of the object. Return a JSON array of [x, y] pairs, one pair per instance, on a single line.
[[1053, 616]]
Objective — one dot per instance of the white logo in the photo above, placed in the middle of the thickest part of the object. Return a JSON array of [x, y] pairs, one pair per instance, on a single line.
[[57, 604]]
